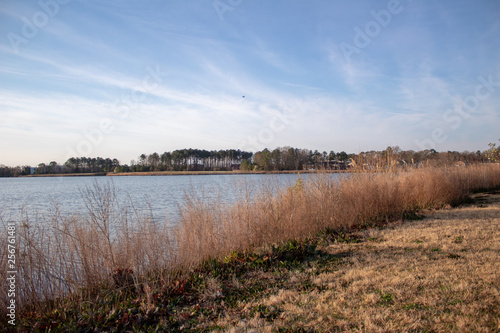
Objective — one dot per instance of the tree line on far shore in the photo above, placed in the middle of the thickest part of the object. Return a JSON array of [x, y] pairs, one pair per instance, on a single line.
[[279, 159]]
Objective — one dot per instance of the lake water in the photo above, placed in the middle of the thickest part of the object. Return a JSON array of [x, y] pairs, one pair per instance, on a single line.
[[160, 195]]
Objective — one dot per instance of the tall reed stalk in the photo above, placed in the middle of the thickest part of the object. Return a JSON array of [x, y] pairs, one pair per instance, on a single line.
[[60, 256]]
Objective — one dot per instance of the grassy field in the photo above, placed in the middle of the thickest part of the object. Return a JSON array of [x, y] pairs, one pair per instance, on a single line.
[[320, 256], [438, 274]]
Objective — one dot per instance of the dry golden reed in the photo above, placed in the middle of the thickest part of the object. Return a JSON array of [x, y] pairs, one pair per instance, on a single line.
[[61, 256], [323, 202]]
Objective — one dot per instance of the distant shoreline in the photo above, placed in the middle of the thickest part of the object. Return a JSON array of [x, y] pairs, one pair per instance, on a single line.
[[195, 173], [90, 174], [183, 173]]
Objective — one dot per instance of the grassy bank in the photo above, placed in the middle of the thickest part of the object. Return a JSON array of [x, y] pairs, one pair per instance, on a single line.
[[220, 260]]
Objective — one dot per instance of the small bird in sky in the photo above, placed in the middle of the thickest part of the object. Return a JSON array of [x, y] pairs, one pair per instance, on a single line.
[[243, 96]]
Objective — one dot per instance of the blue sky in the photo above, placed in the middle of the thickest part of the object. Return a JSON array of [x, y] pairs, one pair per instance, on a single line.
[[121, 78]]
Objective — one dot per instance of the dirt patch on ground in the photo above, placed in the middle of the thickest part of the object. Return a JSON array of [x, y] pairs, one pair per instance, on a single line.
[[489, 198]]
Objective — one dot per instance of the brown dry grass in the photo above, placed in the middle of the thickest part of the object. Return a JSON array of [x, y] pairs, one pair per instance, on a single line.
[[209, 229], [440, 274]]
